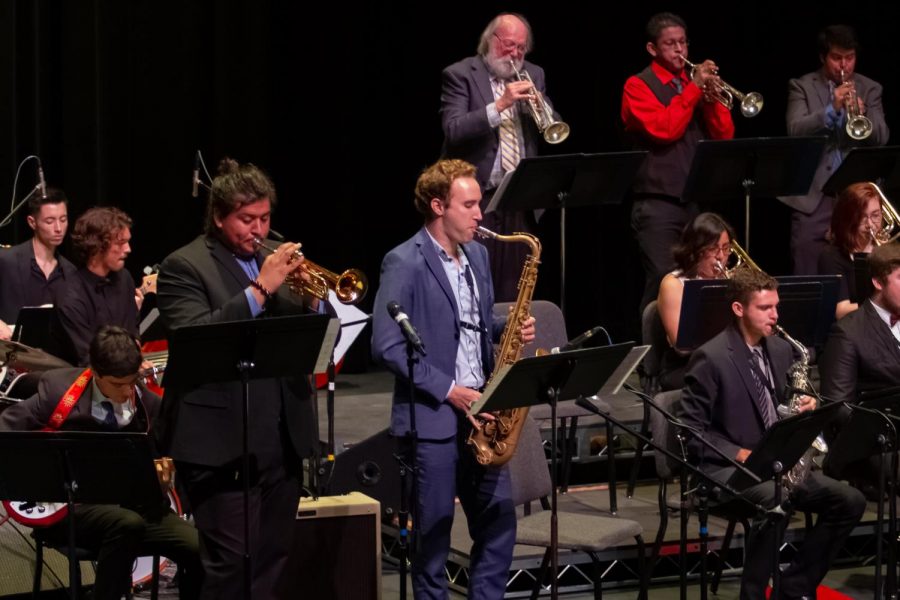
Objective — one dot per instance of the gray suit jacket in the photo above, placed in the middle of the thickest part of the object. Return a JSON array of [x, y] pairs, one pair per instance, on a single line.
[[808, 97], [465, 92]]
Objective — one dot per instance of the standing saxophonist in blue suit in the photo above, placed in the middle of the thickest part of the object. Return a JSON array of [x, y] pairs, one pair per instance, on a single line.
[[442, 279]]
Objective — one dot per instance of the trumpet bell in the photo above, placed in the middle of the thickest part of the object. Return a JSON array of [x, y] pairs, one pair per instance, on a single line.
[[351, 286], [859, 127], [752, 104], [557, 132]]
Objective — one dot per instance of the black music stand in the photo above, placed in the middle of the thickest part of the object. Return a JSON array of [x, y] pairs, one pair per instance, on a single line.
[[75, 466], [240, 351], [869, 431], [551, 378], [806, 308], [866, 164], [766, 167], [862, 278], [565, 180], [778, 451]]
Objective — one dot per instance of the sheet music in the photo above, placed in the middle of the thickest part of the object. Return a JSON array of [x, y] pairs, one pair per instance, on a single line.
[[496, 379], [625, 368], [498, 195], [331, 333]]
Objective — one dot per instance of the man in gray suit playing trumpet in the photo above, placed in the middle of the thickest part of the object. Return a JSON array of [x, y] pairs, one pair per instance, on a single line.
[[823, 103]]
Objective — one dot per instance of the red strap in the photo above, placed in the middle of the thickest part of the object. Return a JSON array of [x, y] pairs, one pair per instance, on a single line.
[[68, 401]]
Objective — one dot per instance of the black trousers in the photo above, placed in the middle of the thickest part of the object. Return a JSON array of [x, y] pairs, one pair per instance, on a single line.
[[119, 535], [217, 499], [839, 508], [657, 226]]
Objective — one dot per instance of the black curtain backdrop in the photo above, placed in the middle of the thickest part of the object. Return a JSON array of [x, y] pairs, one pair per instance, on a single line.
[[339, 103]]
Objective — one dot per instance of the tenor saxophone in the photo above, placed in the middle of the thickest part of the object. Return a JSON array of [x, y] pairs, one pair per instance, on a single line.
[[798, 379], [494, 442]]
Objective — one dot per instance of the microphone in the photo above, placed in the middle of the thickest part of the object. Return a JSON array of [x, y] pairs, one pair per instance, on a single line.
[[578, 342], [409, 332], [195, 183], [43, 183]]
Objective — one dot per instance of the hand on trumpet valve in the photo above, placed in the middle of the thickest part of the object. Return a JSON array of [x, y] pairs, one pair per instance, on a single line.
[[842, 93], [705, 73], [286, 259], [513, 92]]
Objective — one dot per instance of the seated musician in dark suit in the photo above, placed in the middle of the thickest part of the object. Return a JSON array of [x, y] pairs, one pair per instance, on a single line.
[[34, 272], [856, 218], [102, 291], [731, 389], [109, 397]]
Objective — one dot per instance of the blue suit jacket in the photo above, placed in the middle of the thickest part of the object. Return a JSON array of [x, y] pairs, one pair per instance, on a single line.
[[412, 274]]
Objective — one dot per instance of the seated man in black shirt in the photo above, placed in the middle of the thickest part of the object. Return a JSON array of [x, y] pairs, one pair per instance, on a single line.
[[102, 291], [34, 273], [110, 398]]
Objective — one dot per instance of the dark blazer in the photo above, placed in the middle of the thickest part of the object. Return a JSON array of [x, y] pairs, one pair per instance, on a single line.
[[465, 92], [719, 394], [412, 274], [34, 413], [860, 354], [202, 283], [808, 98], [15, 269]]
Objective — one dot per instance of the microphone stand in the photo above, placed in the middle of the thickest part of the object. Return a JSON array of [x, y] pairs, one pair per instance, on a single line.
[[8, 218], [408, 468], [589, 406]]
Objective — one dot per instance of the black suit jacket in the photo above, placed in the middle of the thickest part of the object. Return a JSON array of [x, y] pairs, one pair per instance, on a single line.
[[202, 283], [15, 269], [719, 394], [861, 354], [34, 413]]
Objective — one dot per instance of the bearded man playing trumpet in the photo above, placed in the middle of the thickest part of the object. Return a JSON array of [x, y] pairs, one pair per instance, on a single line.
[[221, 276], [667, 112]]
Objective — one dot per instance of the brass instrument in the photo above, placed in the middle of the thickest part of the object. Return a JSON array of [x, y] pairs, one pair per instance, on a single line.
[[495, 441], [890, 219], [350, 287], [798, 380], [742, 259], [859, 126], [724, 94], [554, 131]]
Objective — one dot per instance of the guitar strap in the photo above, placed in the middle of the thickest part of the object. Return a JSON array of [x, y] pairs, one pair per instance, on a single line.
[[68, 401]]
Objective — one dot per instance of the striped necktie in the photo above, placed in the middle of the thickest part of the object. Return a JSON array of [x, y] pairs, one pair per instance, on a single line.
[[763, 397], [509, 137]]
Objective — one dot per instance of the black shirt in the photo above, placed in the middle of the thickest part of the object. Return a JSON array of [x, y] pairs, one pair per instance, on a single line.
[[90, 302], [22, 282], [833, 261]]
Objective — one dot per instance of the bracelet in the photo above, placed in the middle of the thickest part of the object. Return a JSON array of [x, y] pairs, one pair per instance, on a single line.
[[255, 283]]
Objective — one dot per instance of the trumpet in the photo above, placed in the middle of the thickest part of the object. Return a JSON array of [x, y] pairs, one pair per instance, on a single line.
[[859, 126], [742, 259], [725, 94], [889, 220], [554, 131], [350, 287]]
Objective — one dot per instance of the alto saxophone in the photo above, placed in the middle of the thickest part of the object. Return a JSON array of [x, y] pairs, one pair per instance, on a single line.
[[798, 379], [495, 441]]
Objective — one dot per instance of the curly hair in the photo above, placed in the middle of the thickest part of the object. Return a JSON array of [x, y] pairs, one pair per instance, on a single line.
[[435, 182], [746, 281], [95, 231]]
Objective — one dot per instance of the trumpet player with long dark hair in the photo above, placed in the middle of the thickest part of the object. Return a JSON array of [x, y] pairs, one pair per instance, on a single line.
[[856, 218], [486, 122], [702, 253], [222, 276], [733, 385], [667, 112], [822, 103]]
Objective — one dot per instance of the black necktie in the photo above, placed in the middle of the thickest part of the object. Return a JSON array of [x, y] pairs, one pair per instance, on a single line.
[[676, 83], [109, 421]]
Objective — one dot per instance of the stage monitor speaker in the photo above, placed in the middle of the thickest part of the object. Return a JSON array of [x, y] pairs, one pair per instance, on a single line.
[[370, 467], [336, 552]]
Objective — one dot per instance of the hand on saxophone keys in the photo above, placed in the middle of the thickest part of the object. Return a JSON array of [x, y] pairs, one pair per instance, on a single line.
[[805, 403], [527, 331], [462, 398]]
